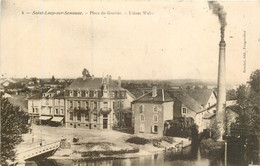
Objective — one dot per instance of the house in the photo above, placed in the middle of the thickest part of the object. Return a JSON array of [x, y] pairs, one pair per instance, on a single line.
[[205, 97], [58, 106], [151, 111], [6, 95], [131, 95], [6, 81], [186, 106], [94, 103], [42, 106]]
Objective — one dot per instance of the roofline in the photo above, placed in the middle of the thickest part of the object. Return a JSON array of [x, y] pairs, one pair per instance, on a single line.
[[206, 109], [130, 94]]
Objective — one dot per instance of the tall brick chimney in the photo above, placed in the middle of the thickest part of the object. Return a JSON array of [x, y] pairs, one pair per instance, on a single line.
[[221, 96]]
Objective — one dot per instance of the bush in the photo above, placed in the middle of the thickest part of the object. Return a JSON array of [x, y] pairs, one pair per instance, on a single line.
[[138, 140], [180, 127], [211, 148], [168, 139]]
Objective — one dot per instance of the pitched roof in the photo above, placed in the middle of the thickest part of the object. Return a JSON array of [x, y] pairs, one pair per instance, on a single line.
[[162, 96], [59, 95], [136, 92], [200, 95], [188, 101], [92, 84], [35, 96]]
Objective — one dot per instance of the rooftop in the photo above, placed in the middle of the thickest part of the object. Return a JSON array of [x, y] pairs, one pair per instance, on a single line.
[[92, 84], [161, 97]]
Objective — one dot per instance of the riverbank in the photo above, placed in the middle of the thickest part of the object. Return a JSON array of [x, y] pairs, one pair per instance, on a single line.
[[99, 143]]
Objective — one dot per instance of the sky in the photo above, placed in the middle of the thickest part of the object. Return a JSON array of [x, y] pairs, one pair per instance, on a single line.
[[178, 41]]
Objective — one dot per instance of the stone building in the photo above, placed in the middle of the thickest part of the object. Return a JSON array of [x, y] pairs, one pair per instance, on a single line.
[[94, 103], [151, 111]]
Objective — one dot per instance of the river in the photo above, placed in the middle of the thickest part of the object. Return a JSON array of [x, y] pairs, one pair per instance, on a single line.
[[188, 157]]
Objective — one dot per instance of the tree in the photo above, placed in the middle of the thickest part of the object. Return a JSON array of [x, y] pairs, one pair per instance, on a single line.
[[247, 124], [53, 80], [231, 94], [255, 81], [13, 125]]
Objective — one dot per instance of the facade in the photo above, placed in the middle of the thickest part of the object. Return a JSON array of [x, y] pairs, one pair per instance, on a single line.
[[197, 104], [151, 111], [93, 103], [42, 106]]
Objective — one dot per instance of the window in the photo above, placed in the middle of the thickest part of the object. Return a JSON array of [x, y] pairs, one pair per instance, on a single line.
[[62, 111], [91, 93], [50, 111], [86, 117], [155, 109], [87, 94], [79, 104], [142, 117], [112, 94], [141, 108], [155, 118], [141, 128], [33, 110], [71, 93], [95, 105], [36, 110], [56, 111], [184, 110], [71, 104], [95, 117], [61, 102], [104, 115], [155, 129], [79, 93], [87, 104], [78, 117], [56, 102], [95, 94], [215, 111], [71, 116]]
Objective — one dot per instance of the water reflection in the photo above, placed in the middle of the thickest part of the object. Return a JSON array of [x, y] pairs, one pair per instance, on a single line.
[[188, 157]]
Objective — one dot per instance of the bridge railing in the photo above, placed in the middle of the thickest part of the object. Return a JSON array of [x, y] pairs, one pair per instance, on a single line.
[[37, 150]]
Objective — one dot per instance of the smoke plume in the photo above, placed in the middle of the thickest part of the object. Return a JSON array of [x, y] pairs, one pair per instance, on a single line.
[[218, 10]]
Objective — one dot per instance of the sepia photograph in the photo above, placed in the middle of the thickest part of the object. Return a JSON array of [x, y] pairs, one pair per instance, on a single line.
[[129, 83]]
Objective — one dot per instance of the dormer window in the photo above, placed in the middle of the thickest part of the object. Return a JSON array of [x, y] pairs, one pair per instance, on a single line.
[[79, 93], [87, 93], [95, 94], [71, 93], [112, 94]]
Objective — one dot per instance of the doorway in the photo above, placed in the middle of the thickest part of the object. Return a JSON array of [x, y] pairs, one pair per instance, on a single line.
[[104, 123]]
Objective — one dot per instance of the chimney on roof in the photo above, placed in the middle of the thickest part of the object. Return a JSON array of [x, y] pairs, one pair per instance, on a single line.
[[154, 91], [119, 81], [85, 74], [163, 94]]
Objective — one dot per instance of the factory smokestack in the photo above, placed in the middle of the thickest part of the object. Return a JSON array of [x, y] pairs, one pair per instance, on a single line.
[[218, 10]]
